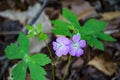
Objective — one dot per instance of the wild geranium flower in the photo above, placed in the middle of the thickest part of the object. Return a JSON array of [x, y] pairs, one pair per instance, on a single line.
[[61, 46], [76, 46]]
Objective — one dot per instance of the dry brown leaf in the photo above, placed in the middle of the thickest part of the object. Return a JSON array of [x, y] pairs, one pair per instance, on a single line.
[[81, 8], [104, 64], [110, 15], [85, 12]]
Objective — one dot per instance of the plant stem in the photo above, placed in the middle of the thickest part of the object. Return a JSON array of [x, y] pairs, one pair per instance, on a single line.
[[48, 49], [53, 72], [52, 64], [67, 67]]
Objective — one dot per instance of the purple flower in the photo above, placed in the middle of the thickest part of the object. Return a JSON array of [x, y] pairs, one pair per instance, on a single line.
[[76, 46], [61, 46]]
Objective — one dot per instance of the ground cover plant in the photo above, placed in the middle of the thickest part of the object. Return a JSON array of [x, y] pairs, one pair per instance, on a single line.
[[71, 41]]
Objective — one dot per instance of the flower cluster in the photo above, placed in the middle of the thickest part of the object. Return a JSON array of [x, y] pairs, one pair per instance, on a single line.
[[63, 46]]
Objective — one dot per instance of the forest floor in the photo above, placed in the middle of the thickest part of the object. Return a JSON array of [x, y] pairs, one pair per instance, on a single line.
[[93, 65]]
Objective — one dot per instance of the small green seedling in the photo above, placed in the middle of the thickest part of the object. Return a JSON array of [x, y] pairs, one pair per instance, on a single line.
[[34, 62], [36, 32]]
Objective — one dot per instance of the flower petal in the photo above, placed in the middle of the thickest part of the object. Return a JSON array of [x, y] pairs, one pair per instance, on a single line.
[[65, 50], [76, 38], [79, 52], [82, 43], [54, 45], [58, 53], [63, 40], [72, 52]]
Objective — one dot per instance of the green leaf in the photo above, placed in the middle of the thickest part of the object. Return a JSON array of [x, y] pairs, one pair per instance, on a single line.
[[95, 24], [41, 59], [19, 72], [14, 52], [39, 28], [105, 37], [23, 42], [30, 28], [35, 63], [92, 26], [93, 42], [42, 36], [31, 35], [92, 30], [61, 28], [36, 32], [71, 17], [36, 72], [32, 31]]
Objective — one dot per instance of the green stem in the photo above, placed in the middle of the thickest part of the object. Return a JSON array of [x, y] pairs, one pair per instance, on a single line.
[[52, 64], [48, 49], [53, 72], [67, 67]]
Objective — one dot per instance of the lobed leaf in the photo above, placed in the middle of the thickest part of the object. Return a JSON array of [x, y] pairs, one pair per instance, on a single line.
[[14, 52], [41, 59], [95, 24], [42, 36], [61, 28], [93, 42], [92, 26], [71, 17], [19, 72], [94, 29], [23, 42], [36, 72], [105, 37]]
